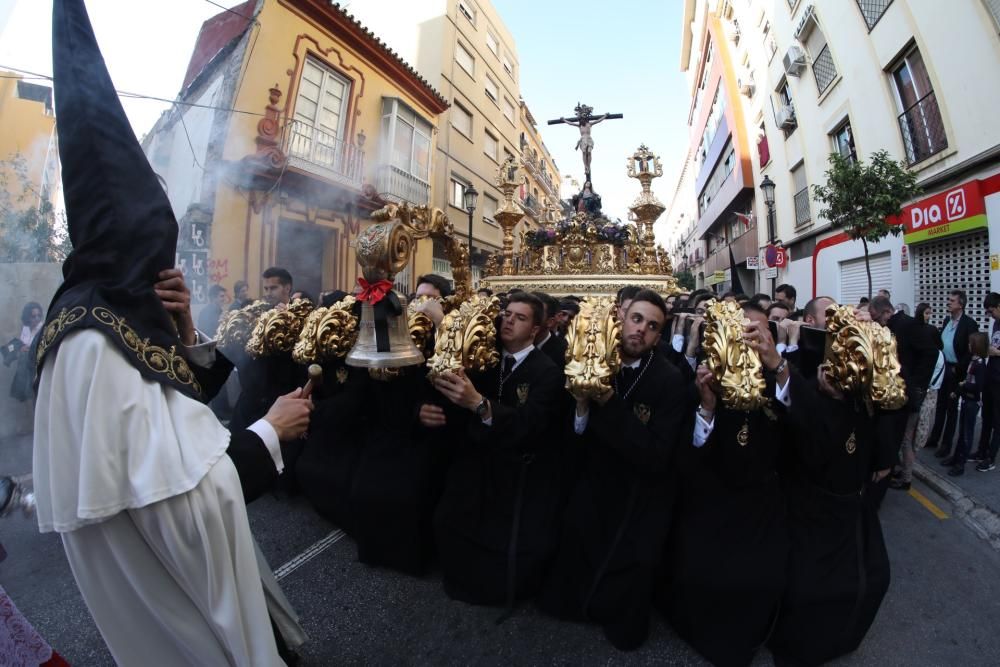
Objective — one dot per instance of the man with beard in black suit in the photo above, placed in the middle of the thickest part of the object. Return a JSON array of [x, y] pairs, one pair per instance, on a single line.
[[618, 515], [495, 526]]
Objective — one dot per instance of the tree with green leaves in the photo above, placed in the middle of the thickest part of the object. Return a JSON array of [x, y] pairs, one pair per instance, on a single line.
[[685, 279], [861, 198], [30, 229]]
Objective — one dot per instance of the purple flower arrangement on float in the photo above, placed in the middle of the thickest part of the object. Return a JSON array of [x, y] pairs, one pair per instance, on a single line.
[[597, 231]]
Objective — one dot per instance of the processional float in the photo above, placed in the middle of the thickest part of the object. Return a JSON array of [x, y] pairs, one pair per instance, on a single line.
[[576, 251]]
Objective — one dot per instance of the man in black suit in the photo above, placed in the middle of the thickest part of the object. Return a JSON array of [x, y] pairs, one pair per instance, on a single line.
[[955, 345], [546, 340], [618, 515], [495, 526]]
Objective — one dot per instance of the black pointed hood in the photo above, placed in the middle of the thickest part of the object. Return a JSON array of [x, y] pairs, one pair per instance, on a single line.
[[120, 220]]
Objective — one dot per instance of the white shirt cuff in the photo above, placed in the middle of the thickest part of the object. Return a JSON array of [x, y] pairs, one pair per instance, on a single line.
[[781, 347], [580, 422], [267, 433], [702, 429], [782, 394], [692, 362], [202, 353], [677, 342], [791, 348]]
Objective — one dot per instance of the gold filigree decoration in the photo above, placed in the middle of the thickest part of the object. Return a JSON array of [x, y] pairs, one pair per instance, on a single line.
[[165, 361], [466, 338], [592, 355], [861, 359], [236, 326], [736, 367], [56, 327], [277, 330], [327, 333], [420, 324]]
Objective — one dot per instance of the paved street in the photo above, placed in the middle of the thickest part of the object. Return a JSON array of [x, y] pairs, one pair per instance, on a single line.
[[942, 606]]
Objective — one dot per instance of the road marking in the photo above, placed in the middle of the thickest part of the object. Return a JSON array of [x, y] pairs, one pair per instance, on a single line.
[[925, 501], [307, 555]]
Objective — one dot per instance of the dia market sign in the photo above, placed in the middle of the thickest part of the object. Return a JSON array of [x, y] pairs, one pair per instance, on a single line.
[[944, 214]]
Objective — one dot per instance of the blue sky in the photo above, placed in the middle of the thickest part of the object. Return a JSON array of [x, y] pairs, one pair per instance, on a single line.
[[621, 57]]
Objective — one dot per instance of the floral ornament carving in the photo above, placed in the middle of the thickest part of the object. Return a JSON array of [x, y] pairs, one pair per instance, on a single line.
[[861, 359], [592, 355], [277, 330], [327, 333], [466, 338], [736, 367]]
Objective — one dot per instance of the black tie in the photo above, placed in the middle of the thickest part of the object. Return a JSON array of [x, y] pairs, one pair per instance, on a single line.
[[627, 376], [508, 366]]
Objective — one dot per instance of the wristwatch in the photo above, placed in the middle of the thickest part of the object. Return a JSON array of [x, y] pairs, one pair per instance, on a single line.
[[705, 413], [482, 408], [780, 367]]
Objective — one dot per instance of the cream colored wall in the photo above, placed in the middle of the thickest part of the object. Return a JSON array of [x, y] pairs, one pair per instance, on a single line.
[[534, 142]]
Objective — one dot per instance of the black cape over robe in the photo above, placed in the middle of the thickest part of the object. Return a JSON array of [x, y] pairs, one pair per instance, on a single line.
[[619, 512], [398, 477], [728, 552], [495, 527], [839, 568]]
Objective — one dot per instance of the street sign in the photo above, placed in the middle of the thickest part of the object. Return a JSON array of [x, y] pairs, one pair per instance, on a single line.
[[775, 255], [753, 262], [771, 272]]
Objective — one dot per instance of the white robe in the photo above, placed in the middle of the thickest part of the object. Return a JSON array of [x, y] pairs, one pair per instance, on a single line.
[[133, 475]]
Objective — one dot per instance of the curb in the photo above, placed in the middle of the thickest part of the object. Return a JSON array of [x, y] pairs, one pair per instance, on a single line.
[[983, 520]]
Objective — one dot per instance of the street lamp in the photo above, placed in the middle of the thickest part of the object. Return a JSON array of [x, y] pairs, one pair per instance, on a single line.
[[767, 186], [469, 197]]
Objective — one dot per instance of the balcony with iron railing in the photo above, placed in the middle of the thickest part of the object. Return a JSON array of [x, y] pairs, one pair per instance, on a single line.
[[398, 186], [802, 213], [322, 153], [530, 205], [823, 69], [922, 129]]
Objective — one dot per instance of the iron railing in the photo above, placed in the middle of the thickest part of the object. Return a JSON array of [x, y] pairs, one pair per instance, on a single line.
[[530, 204], [336, 158], [922, 129], [824, 70], [802, 212], [396, 185], [872, 11]]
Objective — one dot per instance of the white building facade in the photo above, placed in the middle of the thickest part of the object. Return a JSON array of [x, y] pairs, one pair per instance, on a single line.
[[917, 78]]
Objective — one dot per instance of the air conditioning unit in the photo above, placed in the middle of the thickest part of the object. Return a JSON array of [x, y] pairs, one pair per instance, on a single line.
[[786, 117], [794, 61], [745, 83]]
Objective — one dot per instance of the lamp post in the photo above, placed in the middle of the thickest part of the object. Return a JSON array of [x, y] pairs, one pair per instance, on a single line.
[[767, 186], [469, 197]]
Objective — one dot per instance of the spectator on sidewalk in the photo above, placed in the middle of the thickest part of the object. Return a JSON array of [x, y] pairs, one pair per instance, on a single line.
[[989, 441], [24, 371], [928, 372], [970, 391], [241, 295], [955, 344]]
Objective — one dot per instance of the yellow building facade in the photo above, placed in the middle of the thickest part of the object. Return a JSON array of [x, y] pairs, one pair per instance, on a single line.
[[542, 185], [295, 123], [27, 117]]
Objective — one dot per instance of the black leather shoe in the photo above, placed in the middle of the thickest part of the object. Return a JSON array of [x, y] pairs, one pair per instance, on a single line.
[[956, 470], [940, 453], [899, 485], [948, 462]]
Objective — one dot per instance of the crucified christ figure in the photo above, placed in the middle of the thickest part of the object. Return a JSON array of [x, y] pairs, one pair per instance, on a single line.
[[586, 143]]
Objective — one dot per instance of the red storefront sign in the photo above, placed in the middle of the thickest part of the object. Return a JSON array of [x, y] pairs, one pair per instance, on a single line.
[[950, 212]]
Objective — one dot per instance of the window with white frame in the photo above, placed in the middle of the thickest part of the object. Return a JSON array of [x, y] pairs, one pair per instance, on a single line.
[[493, 43], [320, 111], [490, 206], [492, 89], [408, 139], [800, 198], [872, 11], [508, 110], [491, 146], [508, 66], [465, 59], [461, 119], [843, 142], [458, 193], [468, 10]]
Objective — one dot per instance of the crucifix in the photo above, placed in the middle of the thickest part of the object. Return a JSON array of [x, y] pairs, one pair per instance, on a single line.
[[585, 119]]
